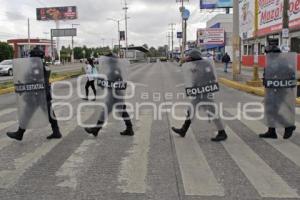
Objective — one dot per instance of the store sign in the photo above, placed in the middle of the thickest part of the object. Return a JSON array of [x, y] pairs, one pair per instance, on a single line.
[[211, 36], [247, 18], [212, 4], [270, 16]]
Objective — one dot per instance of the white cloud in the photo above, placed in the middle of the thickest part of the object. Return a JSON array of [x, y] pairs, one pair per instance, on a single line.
[[148, 21]]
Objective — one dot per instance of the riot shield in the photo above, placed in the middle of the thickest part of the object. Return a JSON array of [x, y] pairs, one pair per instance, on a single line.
[[30, 91], [200, 78], [280, 82], [112, 73]]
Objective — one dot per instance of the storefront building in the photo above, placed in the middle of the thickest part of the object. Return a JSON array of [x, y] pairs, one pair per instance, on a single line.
[[21, 46], [218, 50], [269, 25]]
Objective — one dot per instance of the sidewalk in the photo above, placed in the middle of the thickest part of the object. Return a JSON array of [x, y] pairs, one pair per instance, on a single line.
[[240, 84]]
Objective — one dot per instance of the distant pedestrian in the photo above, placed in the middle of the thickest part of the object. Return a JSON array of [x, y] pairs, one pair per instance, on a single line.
[[91, 72], [226, 60]]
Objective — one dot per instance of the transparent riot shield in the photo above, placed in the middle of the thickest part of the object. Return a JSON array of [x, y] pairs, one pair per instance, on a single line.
[[30, 90], [112, 80], [200, 78], [112, 73], [280, 82]]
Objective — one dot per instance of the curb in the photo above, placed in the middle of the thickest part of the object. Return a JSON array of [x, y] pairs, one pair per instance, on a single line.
[[245, 88], [12, 89]]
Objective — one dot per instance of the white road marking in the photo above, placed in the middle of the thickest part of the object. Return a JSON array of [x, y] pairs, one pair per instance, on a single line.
[[132, 177], [8, 178], [198, 178], [287, 148], [262, 176], [7, 111], [74, 165]]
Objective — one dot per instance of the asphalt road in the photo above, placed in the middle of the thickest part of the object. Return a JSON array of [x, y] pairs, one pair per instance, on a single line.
[[56, 69], [154, 164]]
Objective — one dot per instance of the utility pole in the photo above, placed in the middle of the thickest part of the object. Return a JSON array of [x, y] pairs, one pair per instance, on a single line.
[[72, 56], [183, 26], [28, 23], [236, 41], [119, 39], [285, 25], [255, 82], [172, 36], [126, 28], [168, 50], [103, 40]]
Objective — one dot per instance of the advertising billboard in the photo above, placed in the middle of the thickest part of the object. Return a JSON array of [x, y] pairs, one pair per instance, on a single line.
[[212, 4], [211, 36], [179, 35], [56, 13], [247, 18], [270, 16], [122, 35]]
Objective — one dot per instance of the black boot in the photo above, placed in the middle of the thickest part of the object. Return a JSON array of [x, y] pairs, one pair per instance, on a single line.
[[55, 135], [129, 131], [94, 130], [182, 131], [18, 135], [288, 132], [220, 137], [271, 134]]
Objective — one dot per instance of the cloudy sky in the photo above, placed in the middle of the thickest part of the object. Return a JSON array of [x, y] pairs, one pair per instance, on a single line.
[[149, 20]]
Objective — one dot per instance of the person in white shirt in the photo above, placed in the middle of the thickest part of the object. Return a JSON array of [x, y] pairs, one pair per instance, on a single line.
[[90, 71]]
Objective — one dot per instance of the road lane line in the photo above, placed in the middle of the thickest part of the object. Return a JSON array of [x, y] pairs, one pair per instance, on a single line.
[[74, 166], [285, 147], [132, 177], [263, 178], [8, 178], [7, 111], [197, 176]]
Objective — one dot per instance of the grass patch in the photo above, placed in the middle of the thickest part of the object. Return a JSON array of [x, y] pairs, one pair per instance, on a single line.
[[54, 75]]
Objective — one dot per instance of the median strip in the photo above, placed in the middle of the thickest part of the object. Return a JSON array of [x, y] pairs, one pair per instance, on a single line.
[[9, 86], [259, 91]]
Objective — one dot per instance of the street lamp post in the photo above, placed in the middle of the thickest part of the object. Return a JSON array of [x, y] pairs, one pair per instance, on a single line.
[[72, 56], [119, 39]]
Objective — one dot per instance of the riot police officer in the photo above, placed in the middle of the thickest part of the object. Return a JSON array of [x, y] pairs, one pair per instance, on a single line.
[[200, 74], [280, 91], [30, 109], [114, 84]]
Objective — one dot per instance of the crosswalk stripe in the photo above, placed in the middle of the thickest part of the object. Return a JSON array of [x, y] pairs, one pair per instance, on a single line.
[[74, 165], [263, 178], [132, 177], [197, 177], [287, 148], [298, 111], [7, 111], [9, 178]]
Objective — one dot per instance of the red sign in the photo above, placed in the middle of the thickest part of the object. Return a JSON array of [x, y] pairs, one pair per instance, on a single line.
[[270, 16], [207, 36], [56, 13]]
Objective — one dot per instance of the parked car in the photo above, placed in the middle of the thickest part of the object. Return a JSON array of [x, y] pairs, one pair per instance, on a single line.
[[163, 59], [56, 62], [6, 68]]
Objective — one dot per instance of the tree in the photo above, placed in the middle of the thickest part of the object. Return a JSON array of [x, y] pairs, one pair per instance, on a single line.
[[152, 52], [6, 51], [65, 54], [78, 53]]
